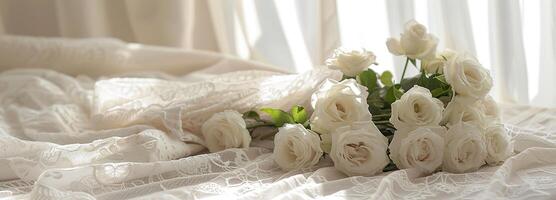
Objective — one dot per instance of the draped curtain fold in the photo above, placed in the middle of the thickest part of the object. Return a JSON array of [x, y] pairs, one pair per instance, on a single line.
[[507, 52], [299, 35], [547, 59]]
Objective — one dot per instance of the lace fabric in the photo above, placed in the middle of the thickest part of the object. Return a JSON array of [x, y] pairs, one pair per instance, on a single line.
[[252, 174], [51, 121], [146, 145], [136, 136]]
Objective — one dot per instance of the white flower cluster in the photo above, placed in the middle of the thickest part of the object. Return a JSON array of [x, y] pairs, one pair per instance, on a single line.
[[460, 137], [347, 134], [444, 121], [342, 118]]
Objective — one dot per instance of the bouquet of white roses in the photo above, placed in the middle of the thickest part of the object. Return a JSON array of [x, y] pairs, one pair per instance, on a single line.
[[441, 119]]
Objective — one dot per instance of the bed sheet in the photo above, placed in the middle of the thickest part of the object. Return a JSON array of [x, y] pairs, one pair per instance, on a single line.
[[103, 119]]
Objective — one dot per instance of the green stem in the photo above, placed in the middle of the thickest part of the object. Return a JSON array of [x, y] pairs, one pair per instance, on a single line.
[[384, 125], [381, 122], [442, 93], [383, 115], [404, 68], [381, 118]]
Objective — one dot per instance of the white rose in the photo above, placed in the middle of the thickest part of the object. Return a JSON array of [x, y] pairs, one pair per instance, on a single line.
[[225, 130], [359, 149], [490, 109], [296, 147], [415, 42], [437, 64], [458, 110], [465, 149], [421, 148], [416, 108], [351, 63], [497, 144], [338, 104], [467, 77]]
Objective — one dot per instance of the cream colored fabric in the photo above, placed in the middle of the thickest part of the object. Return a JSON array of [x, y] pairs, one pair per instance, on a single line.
[[97, 57], [136, 135], [515, 39], [250, 29]]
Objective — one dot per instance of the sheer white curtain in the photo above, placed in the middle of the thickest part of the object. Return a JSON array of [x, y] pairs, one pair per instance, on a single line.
[[513, 38]]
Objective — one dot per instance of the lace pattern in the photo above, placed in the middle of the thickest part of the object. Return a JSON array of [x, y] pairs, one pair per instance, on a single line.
[[138, 138], [251, 173]]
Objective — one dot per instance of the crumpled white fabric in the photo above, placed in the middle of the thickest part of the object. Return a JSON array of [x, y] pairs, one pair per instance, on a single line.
[[136, 136]]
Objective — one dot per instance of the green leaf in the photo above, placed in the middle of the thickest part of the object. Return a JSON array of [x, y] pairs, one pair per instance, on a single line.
[[437, 92], [441, 78], [251, 115], [368, 79], [386, 78], [279, 117], [375, 102], [423, 80], [408, 83], [393, 93], [299, 114], [433, 82]]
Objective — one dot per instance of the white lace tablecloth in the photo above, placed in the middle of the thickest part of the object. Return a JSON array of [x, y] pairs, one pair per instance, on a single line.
[[136, 135]]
